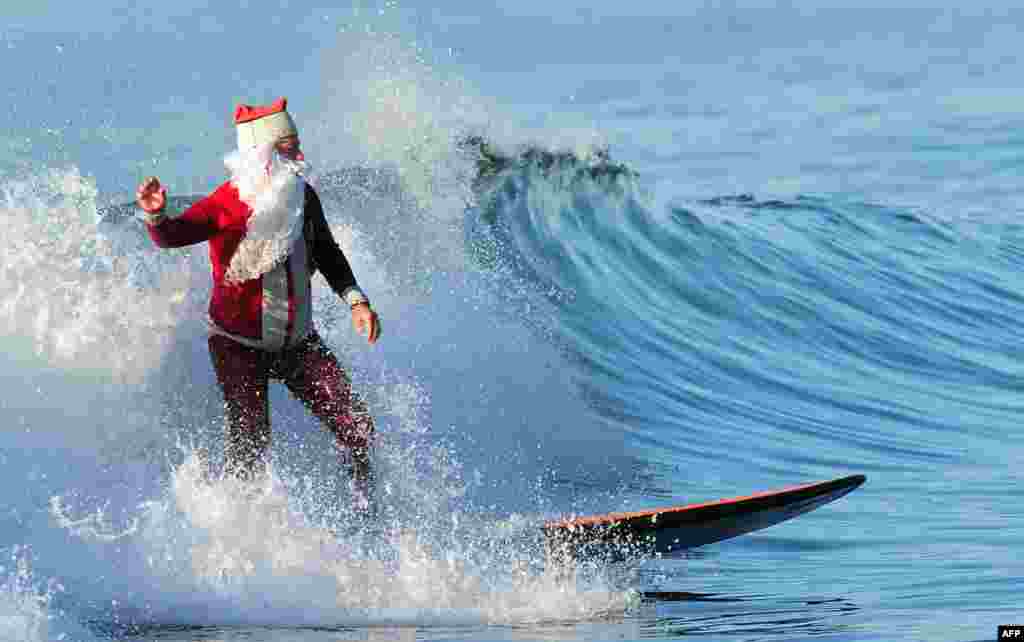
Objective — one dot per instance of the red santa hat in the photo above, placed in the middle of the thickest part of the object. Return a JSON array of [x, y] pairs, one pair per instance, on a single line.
[[263, 124]]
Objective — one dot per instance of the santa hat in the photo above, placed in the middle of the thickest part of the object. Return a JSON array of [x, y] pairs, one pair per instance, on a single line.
[[263, 124]]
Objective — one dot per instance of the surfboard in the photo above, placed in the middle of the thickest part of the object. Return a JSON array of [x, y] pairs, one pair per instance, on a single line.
[[676, 528]]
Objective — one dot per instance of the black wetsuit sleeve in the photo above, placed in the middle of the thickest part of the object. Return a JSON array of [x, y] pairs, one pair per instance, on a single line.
[[327, 256]]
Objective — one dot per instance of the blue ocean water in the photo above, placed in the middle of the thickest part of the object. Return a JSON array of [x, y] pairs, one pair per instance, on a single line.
[[808, 267]]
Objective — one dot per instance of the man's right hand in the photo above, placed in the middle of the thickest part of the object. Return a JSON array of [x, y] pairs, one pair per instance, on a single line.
[[151, 196]]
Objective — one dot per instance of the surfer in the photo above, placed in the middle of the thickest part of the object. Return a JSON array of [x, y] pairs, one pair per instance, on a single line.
[[268, 235]]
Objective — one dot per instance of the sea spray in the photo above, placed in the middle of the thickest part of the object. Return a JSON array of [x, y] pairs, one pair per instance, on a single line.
[[218, 551], [61, 286], [28, 609], [24, 615]]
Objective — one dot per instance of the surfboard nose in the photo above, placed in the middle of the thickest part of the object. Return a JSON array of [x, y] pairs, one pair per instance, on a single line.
[[676, 528]]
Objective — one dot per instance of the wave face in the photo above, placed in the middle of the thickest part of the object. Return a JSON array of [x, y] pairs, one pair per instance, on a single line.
[[736, 338], [817, 324]]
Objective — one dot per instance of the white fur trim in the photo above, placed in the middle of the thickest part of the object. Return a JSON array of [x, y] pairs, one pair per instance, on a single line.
[[298, 261], [275, 308]]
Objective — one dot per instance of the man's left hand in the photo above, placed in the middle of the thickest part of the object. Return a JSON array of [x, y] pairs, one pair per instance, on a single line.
[[365, 321]]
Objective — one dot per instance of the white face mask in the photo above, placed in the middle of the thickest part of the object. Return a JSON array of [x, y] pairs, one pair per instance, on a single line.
[[273, 187]]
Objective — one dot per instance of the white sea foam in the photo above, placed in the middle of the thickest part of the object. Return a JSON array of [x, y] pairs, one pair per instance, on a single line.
[[24, 613], [61, 286], [88, 328], [216, 551], [27, 613]]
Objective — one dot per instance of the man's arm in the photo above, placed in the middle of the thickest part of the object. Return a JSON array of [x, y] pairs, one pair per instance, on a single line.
[[329, 258], [331, 261], [196, 225]]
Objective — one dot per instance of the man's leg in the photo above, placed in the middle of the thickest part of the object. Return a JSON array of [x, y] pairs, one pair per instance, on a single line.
[[315, 377], [242, 375]]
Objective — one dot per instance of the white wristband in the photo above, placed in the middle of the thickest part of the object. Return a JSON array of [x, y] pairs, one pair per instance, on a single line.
[[354, 296], [152, 218]]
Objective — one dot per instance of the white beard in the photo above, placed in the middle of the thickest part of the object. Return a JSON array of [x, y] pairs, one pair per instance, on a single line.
[[276, 191]]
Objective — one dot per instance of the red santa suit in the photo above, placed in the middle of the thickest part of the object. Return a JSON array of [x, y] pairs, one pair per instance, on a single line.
[[260, 313], [272, 311]]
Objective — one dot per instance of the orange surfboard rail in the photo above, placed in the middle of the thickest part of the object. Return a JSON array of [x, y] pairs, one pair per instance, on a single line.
[[675, 528]]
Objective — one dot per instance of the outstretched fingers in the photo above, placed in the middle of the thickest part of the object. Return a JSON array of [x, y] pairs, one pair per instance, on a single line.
[[151, 196], [374, 327], [365, 321]]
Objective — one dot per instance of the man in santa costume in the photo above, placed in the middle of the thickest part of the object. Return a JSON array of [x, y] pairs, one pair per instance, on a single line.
[[268, 235]]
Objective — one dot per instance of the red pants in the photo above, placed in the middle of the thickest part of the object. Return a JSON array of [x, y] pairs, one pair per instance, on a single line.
[[311, 373]]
